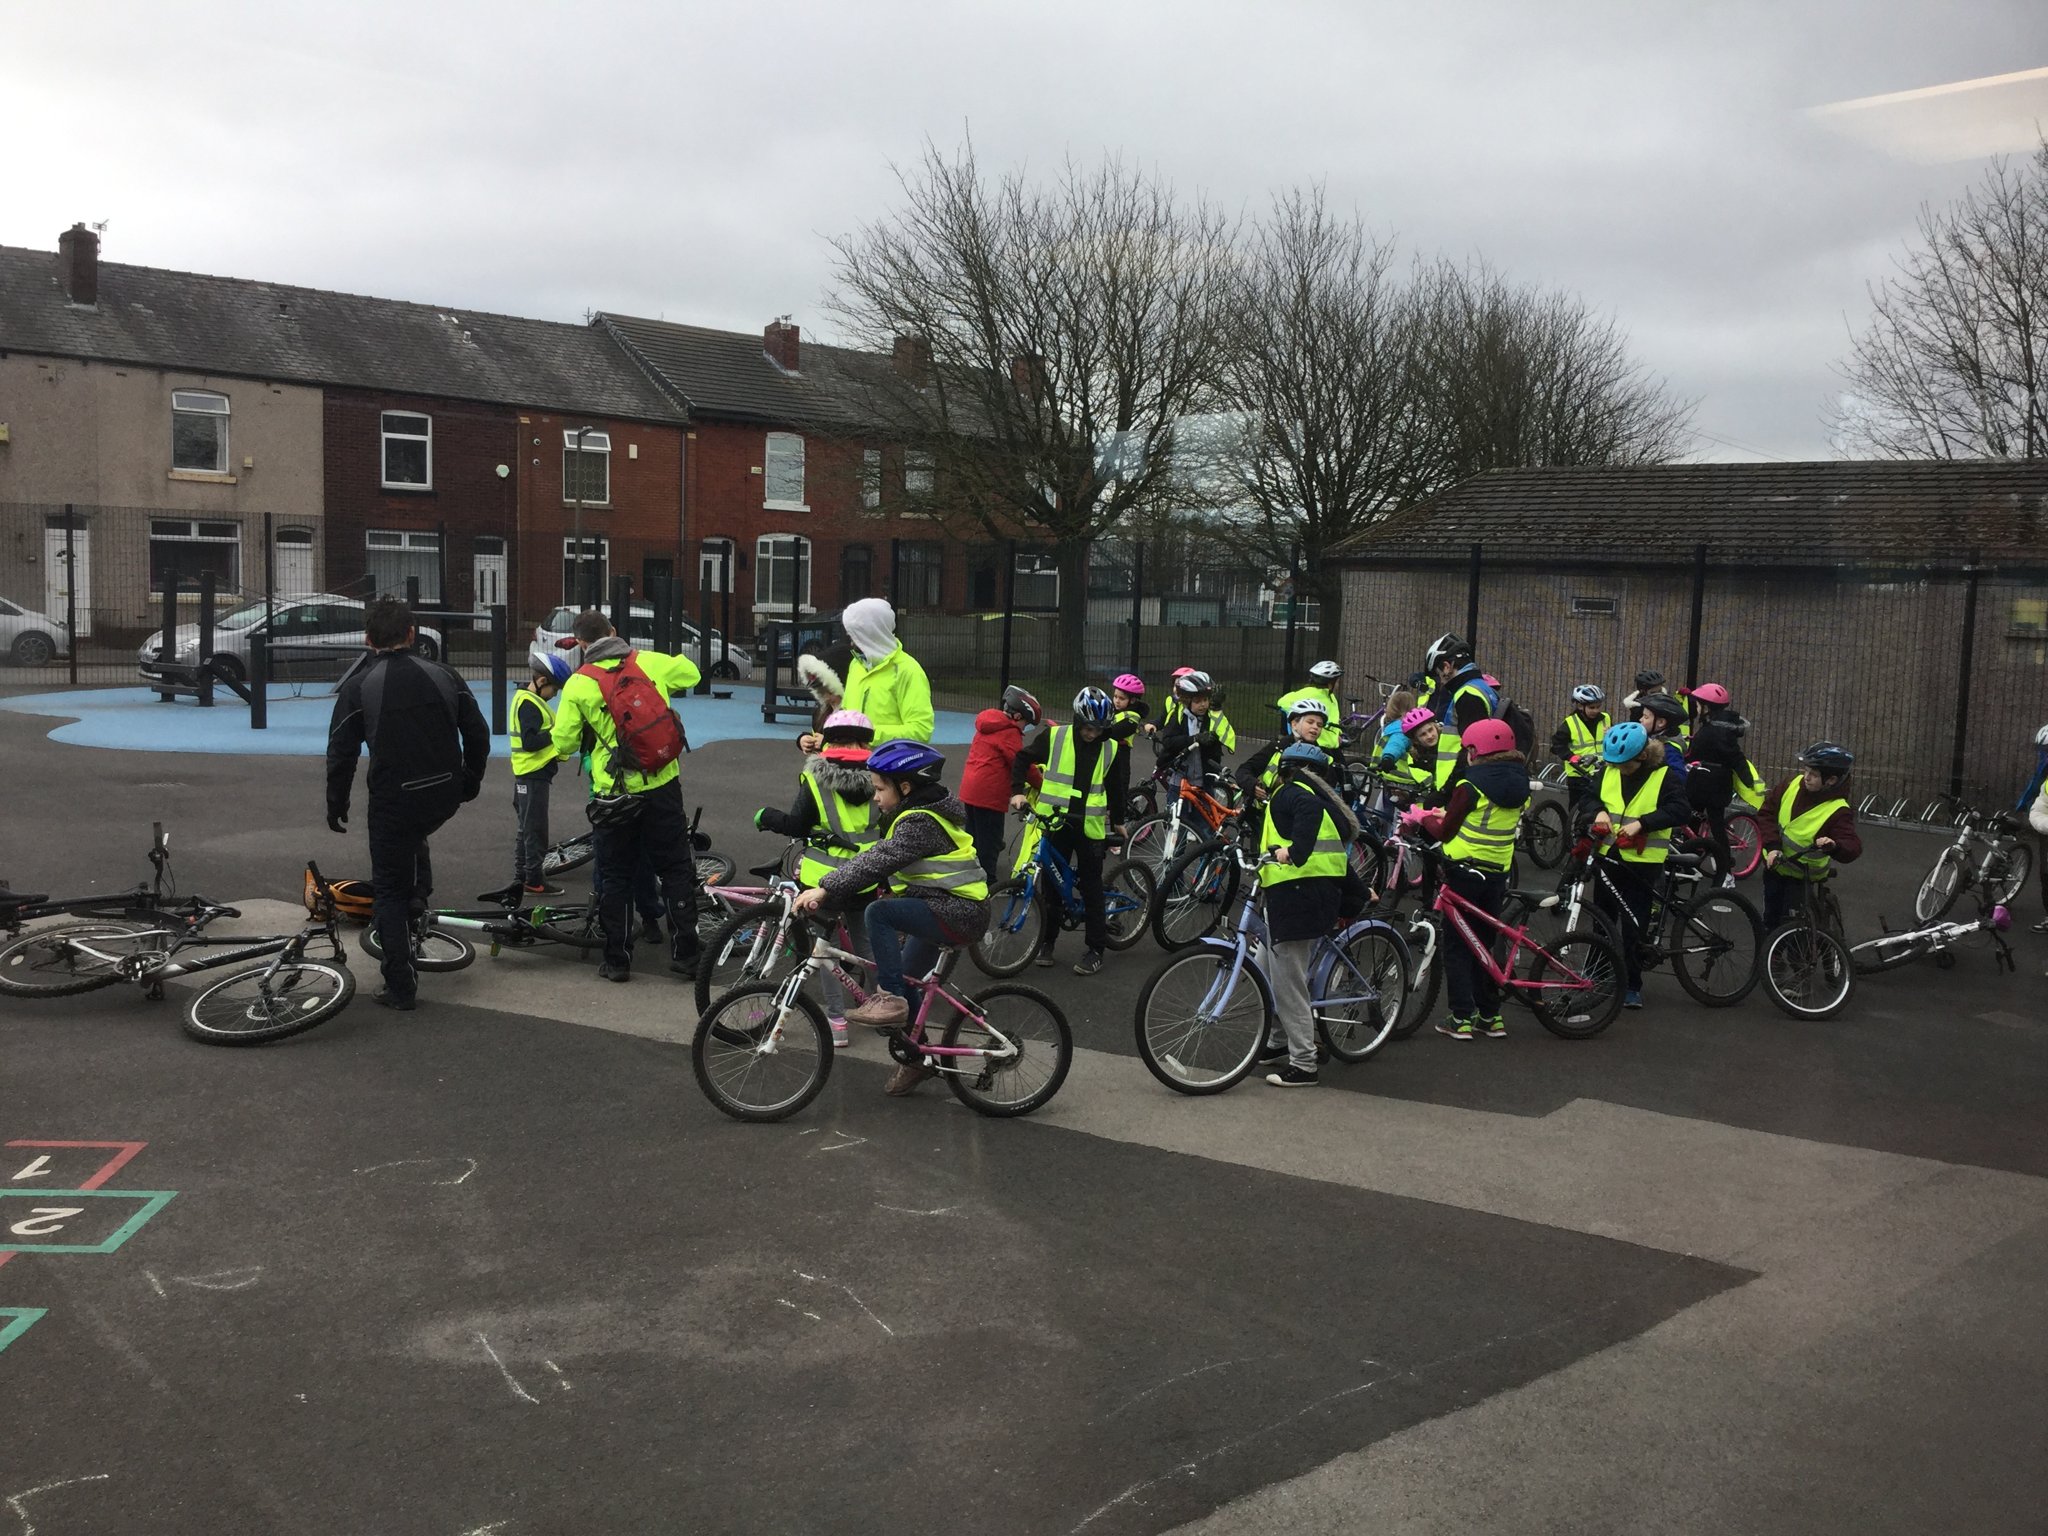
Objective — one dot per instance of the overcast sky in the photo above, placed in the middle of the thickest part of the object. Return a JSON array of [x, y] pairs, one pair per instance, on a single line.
[[691, 161]]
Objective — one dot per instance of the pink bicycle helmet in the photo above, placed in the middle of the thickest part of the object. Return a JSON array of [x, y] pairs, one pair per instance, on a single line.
[[1487, 737], [1129, 683], [1181, 672], [1417, 717], [850, 721], [1711, 693]]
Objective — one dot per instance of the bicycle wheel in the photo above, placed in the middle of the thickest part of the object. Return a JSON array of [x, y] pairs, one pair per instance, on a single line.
[[714, 869], [1745, 843], [1545, 835], [434, 950], [1579, 985], [1367, 859], [1126, 902], [1198, 1031], [576, 927], [1718, 940], [1886, 952], [2009, 876], [1365, 984], [51, 962], [742, 949], [1807, 971], [1425, 978], [1145, 840], [1019, 1084], [258, 1004], [758, 1061], [1944, 883], [1018, 927], [1197, 893], [570, 853]]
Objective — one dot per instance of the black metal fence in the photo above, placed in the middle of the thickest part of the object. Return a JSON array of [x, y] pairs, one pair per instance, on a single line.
[[1934, 673]]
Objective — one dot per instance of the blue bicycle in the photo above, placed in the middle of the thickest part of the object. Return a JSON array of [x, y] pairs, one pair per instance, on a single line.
[[1043, 891]]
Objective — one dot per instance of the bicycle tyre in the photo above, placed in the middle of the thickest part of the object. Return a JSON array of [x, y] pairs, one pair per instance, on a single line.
[[1018, 928], [1745, 843], [1145, 840], [435, 950], [2019, 863], [1196, 894], [1379, 952], [301, 994], [1577, 1015], [1942, 885], [1695, 922], [1164, 1044], [1808, 972], [579, 929], [1368, 860], [570, 853], [1886, 952], [732, 958], [1546, 837], [1425, 982], [1049, 1037], [40, 963], [1127, 902], [714, 869], [728, 1037]]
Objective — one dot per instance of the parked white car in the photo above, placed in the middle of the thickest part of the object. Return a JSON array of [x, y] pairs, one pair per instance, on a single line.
[[313, 637], [28, 638], [738, 665]]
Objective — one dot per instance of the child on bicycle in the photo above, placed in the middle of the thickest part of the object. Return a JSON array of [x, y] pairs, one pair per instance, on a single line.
[[1323, 678], [1086, 781], [1476, 827], [1199, 722], [1641, 800], [1309, 887], [1419, 770], [534, 764], [1714, 765], [985, 781], [1127, 695], [1576, 744], [938, 895], [1812, 811], [1259, 775], [1665, 718]]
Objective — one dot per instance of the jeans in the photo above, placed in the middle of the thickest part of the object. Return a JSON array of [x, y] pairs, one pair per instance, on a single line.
[[530, 842], [1473, 993], [1287, 970], [1634, 882], [987, 827], [401, 884], [1085, 855], [892, 921], [661, 834]]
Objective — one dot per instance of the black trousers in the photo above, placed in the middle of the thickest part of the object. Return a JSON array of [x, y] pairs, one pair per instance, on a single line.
[[401, 882], [987, 828], [1085, 855], [1636, 884], [661, 834]]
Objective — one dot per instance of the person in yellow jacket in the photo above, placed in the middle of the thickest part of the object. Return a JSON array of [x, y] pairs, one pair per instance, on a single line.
[[630, 811], [884, 681], [1309, 886], [534, 762], [1322, 685]]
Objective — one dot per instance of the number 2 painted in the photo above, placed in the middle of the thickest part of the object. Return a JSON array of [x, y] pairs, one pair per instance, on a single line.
[[45, 1220]]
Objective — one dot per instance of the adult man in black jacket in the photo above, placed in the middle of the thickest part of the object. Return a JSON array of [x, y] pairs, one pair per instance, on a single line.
[[428, 746]]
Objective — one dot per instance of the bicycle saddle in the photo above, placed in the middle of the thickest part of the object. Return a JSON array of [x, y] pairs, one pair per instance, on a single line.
[[767, 871], [1683, 860], [507, 898]]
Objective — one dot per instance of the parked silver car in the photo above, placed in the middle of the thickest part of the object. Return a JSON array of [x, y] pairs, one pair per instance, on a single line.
[[28, 638], [738, 665], [315, 637]]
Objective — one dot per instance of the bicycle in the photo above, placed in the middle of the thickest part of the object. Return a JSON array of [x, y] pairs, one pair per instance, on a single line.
[[1204, 801], [764, 1051], [575, 852], [1990, 852], [439, 945], [1024, 908], [1807, 968], [1937, 940], [1200, 1029]]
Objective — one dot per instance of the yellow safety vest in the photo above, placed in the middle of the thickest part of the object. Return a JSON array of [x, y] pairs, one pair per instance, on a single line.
[[1058, 792], [1216, 722], [1750, 791], [1584, 738], [1815, 863], [524, 763], [849, 818], [1326, 860], [958, 872], [1657, 845], [1449, 727], [1487, 834]]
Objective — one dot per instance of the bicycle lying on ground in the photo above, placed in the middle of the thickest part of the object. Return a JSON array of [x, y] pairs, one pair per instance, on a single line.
[[763, 1051], [1024, 908], [439, 942], [575, 852], [143, 902], [1937, 940], [1990, 853]]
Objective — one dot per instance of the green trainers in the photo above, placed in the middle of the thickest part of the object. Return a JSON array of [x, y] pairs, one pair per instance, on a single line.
[[1496, 1027], [1457, 1028]]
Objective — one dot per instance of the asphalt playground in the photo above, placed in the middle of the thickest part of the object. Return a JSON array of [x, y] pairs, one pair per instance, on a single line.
[[496, 1267]]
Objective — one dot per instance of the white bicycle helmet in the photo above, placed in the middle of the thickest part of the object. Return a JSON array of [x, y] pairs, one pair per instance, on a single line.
[[2041, 737], [1306, 706], [1589, 693], [1326, 671]]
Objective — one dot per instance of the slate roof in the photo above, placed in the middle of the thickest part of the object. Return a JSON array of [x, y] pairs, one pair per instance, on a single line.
[[728, 375], [1866, 510], [154, 317]]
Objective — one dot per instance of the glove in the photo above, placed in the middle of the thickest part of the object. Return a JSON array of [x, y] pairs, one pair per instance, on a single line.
[[471, 787], [757, 817], [338, 823]]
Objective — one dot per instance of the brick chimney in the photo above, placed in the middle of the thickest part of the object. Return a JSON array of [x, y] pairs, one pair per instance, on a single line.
[[780, 342], [913, 358], [78, 264]]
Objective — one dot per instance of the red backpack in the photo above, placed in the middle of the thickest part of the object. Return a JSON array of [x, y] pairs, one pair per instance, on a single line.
[[650, 736]]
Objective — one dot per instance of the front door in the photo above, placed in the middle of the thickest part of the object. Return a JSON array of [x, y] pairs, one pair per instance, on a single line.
[[487, 569], [62, 577], [294, 562]]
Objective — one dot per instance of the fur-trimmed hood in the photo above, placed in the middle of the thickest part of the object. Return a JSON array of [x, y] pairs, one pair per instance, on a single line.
[[826, 686], [848, 779]]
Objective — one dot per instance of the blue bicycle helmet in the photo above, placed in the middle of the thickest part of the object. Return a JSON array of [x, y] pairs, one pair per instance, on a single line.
[[548, 662], [1092, 707], [1623, 743], [1303, 754], [902, 759]]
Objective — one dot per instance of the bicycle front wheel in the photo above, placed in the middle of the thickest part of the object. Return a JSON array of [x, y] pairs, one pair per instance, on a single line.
[[1014, 1085], [259, 1004], [576, 927], [1425, 975], [756, 1060], [1017, 928], [1943, 884], [1195, 896], [2009, 878], [570, 853], [1145, 841], [1745, 843], [1807, 971], [1717, 942], [1126, 902], [1201, 1019], [1362, 992], [1578, 985], [73, 957], [433, 950], [1545, 835], [714, 869]]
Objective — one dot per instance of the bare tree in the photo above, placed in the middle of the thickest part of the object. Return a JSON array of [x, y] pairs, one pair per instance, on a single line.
[[1047, 342], [1954, 361]]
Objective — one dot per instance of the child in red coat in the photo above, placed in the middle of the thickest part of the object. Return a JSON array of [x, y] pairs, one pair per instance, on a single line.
[[985, 781]]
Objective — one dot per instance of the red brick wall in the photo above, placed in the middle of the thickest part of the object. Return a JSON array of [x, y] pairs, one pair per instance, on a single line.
[[643, 521]]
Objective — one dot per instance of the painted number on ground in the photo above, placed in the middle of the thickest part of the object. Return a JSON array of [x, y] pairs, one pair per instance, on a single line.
[[75, 1220]]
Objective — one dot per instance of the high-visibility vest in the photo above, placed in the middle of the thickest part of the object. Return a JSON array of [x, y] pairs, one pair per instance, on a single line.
[[849, 818], [1487, 834], [1750, 790], [1449, 714], [1326, 860], [1804, 828], [1584, 738], [524, 763], [1657, 845], [956, 872], [1332, 737], [1058, 792], [1215, 722]]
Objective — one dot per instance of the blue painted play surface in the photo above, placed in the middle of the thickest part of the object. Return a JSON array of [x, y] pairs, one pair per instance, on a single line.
[[133, 720]]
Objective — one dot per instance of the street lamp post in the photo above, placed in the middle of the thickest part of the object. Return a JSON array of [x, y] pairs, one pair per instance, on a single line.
[[582, 591]]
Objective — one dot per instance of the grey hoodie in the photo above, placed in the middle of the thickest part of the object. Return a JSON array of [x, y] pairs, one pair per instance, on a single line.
[[871, 625]]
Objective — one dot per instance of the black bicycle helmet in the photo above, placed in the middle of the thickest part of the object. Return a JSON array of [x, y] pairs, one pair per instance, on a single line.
[[1662, 705], [1649, 680], [1828, 757]]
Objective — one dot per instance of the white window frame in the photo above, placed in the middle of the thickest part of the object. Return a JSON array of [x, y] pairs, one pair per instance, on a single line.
[[763, 575], [708, 565], [211, 405], [160, 528], [409, 542], [871, 479], [920, 473], [593, 442], [604, 567], [782, 457], [386, 436]]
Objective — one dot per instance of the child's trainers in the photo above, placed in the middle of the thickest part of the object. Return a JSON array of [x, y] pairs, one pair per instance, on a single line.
[[838, 1023], [1457, 1028], [1496, 1027]]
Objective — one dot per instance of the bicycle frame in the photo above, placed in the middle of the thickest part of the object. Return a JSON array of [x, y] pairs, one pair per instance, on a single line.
[[1457, 913]]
